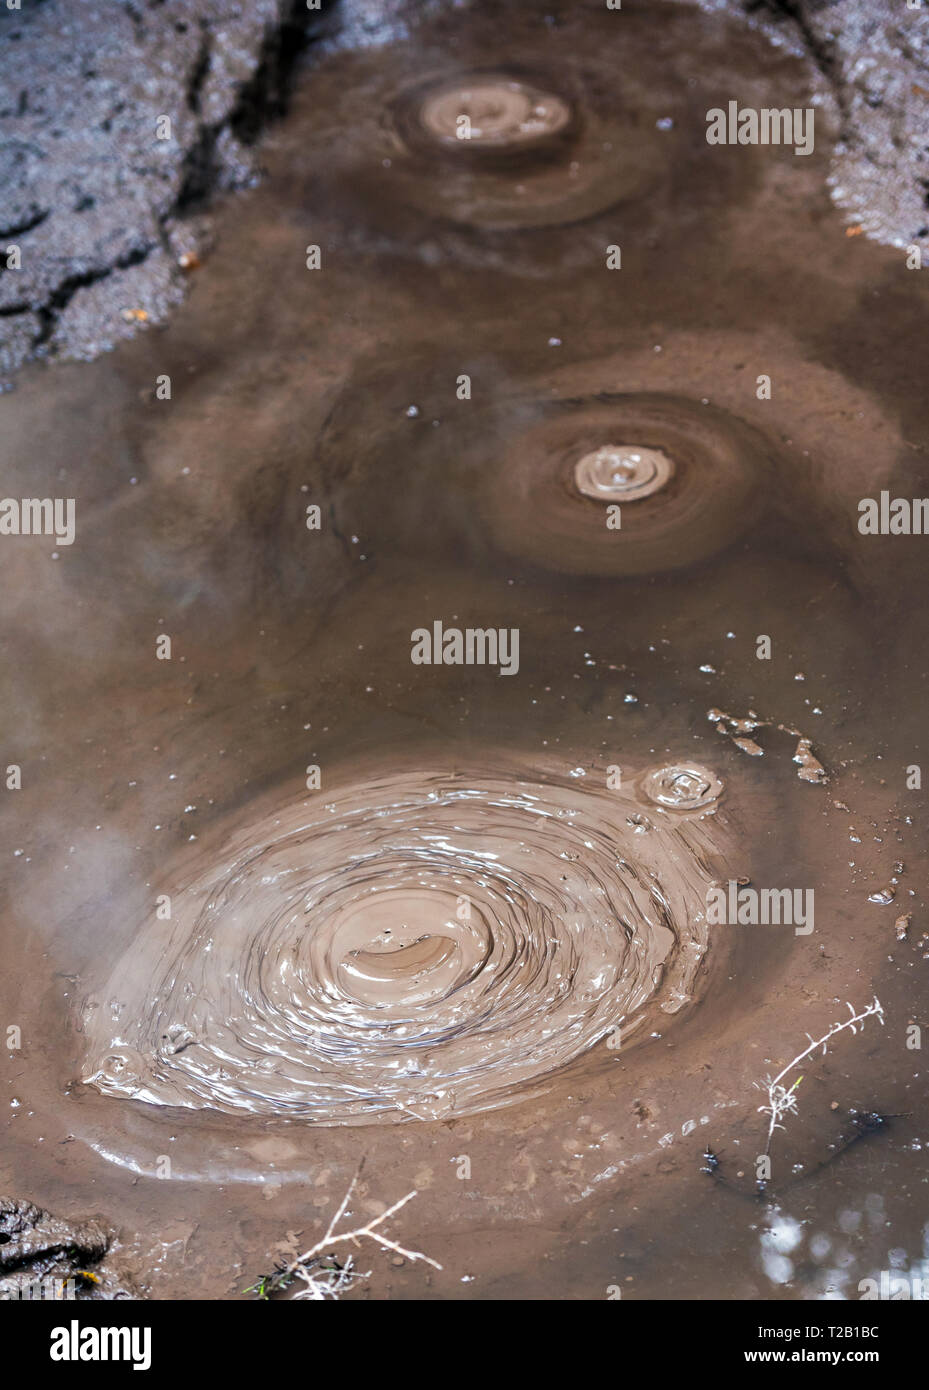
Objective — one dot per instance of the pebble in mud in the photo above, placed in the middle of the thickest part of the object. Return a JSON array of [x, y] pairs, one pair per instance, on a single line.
[[811, 769], [425, 945]]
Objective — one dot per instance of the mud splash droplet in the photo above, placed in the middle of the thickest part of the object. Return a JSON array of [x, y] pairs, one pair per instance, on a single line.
[[423, 946], [811, 769]]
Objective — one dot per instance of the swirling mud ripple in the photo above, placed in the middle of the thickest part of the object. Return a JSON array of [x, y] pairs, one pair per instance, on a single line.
[[526, 158], [689, 479], [414, 946]]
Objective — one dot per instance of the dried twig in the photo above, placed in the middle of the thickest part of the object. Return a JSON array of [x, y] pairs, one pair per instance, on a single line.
[[322, 1274], [781, 1099]]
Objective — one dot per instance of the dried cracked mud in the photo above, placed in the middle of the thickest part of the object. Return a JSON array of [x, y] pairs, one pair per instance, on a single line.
[[446, 920]]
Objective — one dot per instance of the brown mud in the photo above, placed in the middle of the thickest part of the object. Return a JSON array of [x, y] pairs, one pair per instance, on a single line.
[[291, 648]]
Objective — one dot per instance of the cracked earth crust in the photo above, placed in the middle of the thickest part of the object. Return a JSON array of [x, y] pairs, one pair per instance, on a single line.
[[101, 209]]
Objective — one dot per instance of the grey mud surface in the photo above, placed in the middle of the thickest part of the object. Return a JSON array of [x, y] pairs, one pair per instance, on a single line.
[[292, 648]]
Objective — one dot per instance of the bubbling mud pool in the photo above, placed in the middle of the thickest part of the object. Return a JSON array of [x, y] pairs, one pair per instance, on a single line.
[[586, 1157], [689, 481], [418, 947]]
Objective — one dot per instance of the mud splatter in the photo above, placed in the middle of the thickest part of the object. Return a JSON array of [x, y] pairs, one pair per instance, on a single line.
[[737, 727]]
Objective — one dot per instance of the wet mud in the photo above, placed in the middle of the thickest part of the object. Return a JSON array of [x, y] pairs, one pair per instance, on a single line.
[[592, 1046]]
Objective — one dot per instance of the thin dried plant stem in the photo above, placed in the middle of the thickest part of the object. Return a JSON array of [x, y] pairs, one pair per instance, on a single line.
[[329, 1283], [781, 1099], [370, 1230]]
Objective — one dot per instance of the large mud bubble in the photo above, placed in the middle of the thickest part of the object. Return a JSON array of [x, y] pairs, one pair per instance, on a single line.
[[415, 946]]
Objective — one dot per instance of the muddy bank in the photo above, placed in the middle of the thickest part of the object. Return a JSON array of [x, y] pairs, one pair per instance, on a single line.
[[871, 63], [875, 60]]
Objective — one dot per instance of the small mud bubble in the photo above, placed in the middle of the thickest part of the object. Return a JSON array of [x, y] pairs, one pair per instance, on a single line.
[[622, 473], [120, 1066], [497, 148], [695, 476], [492, 112], [682, 786]]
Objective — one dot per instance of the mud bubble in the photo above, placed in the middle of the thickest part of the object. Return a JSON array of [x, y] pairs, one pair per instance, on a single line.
[[507, 149], [421, 946], [681, 786], [622, 473], [486, 112]]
